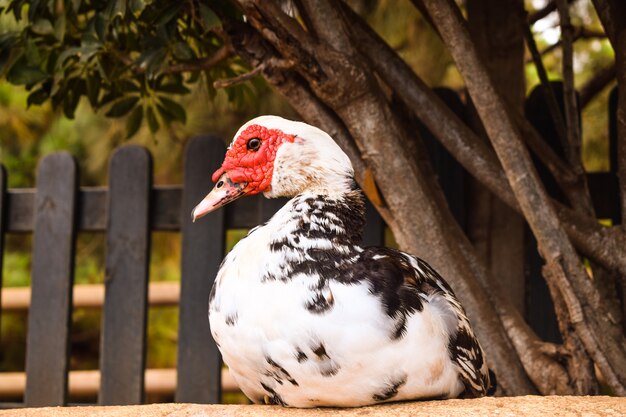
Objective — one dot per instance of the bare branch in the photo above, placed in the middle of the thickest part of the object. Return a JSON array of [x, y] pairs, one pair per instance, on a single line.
[[238, 79], [580, 32], [197, 65], [596, 84], [538, 357], [201, 64], [582, 375], [555, 271], [535, 204], [540, 14], [274, 63], [572, 180], [553, 105], [467, 148]]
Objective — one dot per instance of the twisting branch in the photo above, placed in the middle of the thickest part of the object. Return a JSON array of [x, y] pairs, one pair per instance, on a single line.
[[553, 243], [579, 365], [481, 163], [468, 149]]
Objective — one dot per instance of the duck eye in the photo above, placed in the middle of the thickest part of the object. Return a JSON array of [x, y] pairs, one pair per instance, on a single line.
[[220, 184], [254, 144]]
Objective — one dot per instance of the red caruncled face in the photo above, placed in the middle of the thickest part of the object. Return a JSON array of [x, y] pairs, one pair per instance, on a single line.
[[251, 157]]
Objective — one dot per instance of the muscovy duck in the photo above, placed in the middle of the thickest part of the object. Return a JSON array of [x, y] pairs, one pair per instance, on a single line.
[[302, 314]]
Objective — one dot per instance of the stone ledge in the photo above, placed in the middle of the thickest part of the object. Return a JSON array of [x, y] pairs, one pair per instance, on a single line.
[[502, 407]]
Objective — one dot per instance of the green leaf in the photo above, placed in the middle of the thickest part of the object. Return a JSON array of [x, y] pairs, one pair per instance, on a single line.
[[136, 6], [59, 27], [153, 61], [108, 97], [100, 26], [42, 27], [153, 123], [133, 123], [22, 74], [37, 97], [122, 107], [31, 52], [128, 85], [174, 109], [70, 102], [94, 81], [182, 51], [116, 9], [209, 18], [67, 54], [169, 13], [174, 88], [76, 5], [166, 116]]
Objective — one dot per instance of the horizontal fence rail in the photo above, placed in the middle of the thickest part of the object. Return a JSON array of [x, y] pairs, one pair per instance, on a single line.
[[87, 383], [241, 214], [92, 296], [166, 202]]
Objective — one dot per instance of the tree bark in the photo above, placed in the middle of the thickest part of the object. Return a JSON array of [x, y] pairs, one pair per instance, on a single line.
[[596, 84], [469, 150], [596, 332], [321, 70]]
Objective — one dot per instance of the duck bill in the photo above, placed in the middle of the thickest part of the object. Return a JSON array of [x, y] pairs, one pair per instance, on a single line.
[[224, 192]]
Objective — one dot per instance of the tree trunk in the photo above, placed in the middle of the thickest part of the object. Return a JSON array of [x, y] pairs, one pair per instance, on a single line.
[[593, 327], [340, 76]]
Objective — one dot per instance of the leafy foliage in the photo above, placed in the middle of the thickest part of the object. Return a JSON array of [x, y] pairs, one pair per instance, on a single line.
[[129, 57]]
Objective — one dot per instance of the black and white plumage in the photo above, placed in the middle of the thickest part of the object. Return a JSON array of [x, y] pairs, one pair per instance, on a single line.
[[303, 315]]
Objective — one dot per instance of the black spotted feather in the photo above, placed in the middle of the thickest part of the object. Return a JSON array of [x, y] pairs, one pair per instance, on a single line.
[[402, 282]]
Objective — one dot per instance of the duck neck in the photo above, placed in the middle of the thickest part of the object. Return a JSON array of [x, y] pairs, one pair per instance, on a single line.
[[316, 233]]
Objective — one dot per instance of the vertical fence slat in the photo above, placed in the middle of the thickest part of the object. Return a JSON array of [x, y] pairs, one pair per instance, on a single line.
[[123, 341], [269, 206], [199, 362], [374, 232], [3, 210], [616, 210], [49, 318]]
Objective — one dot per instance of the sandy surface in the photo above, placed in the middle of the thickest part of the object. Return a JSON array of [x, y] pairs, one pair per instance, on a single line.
[[501, 407]]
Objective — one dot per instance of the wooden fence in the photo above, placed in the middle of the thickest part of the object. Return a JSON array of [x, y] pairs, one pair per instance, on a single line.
[[127, 212]]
